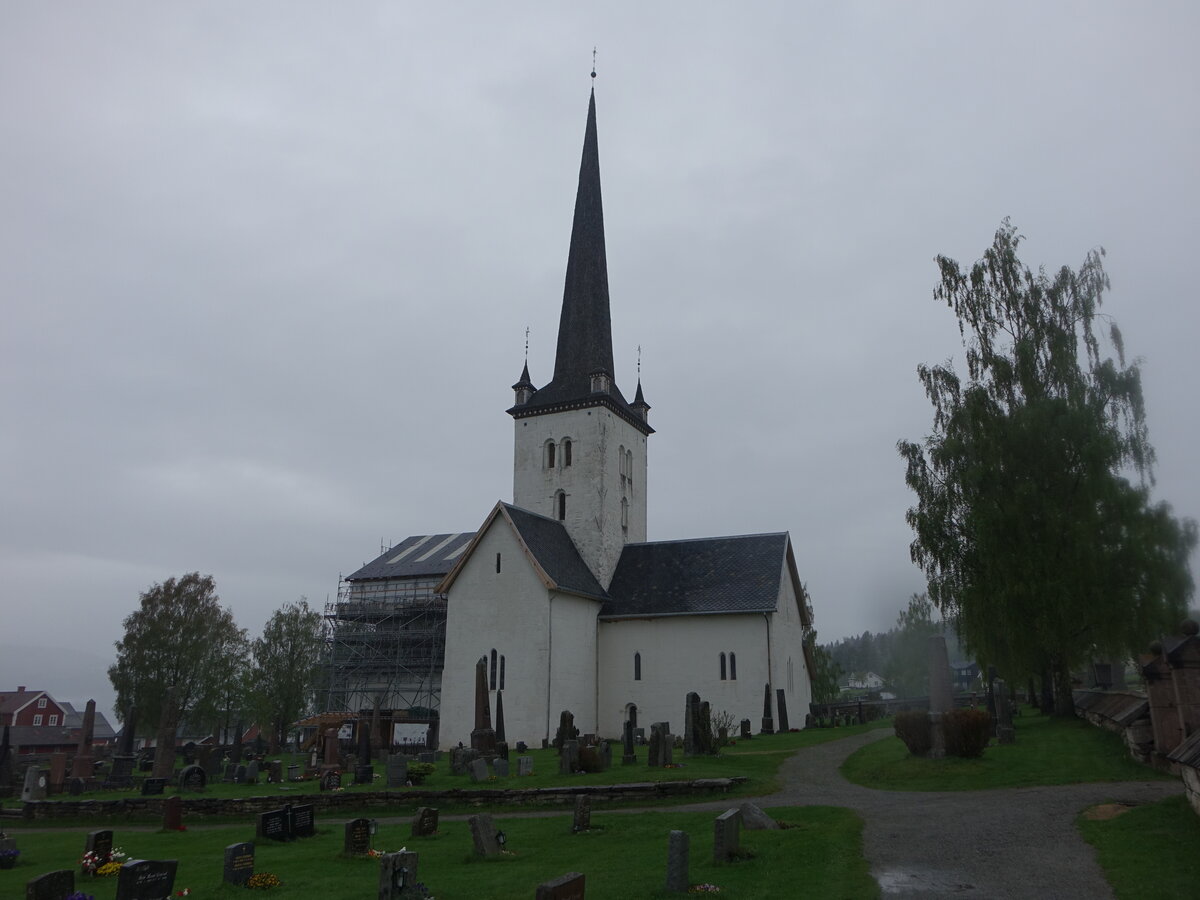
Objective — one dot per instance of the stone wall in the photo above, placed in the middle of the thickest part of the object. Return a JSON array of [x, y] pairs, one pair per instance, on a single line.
[[1125, 712]]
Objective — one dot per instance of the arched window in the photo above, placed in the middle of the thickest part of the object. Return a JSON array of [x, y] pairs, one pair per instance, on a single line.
[[497, 563], [549, 454], [637, 667], [492, 680], [722, 666], [560, 501], [732, 666], [629, 467], [621, 461], [566, 454], [501, 671]]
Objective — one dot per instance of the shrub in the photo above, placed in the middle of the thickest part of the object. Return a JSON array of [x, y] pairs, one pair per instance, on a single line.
[[912, 727], [967, 732]]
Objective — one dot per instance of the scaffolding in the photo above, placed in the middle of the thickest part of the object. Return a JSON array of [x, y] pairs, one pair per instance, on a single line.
[[386, 644]]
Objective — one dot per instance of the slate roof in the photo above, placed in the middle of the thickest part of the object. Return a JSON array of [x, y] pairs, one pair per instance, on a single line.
[[736, 574], [555, 552], [420, 554]]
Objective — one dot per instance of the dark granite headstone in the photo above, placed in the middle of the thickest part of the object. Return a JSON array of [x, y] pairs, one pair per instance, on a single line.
[[768, 721], [51, 886], [275, 825], [275, 771], [500, 767], [250, 776], [58, 772], [364, 774], [661, 745], [677, 861], [582, 820], [356, 837], [121, 774], [99, 842], [691, 724], [781, 699], [146, 879], [153, 786], [76, 786], [483, 737], [397, 770], [303, 821], [564, 887], [461, 759], [628, 757], [331, 780], [425, 823], [193, 779], [293, 773], [727, 835], [745, 734], [483, 835], [568, 760], [239, 774], [239, 862]]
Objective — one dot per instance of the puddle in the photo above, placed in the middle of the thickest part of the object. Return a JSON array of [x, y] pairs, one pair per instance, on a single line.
[[924, 882]]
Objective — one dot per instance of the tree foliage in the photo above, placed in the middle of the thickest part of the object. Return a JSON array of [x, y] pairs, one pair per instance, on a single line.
[[286, 660], [1029, 525], [179, 635], [907, 668], [825, 673]]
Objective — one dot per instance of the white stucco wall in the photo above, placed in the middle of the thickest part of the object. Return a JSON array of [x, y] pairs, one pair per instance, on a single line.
[[592, 482], [548, 642]]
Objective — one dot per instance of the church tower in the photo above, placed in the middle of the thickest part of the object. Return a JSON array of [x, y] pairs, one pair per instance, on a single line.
[[580, 446]]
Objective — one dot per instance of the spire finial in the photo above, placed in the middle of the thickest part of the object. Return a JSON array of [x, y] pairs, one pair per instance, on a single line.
[[527, 345], [593, 64], [639, 362]]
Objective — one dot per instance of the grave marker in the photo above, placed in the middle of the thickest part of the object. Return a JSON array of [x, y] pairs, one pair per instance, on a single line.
[[173, 814], [568, 760], [303, 821], [193, 779], [250, 776], [100, 843], [239, 863], [677, 861], [35, 785], [398, 876], [397, 771], [583, 814], [754, 819], [51, 886], [781, 697], [153, 786], [58, 772], [727, 835], [478, 770], [331, 780], [768, 722], [425, 823], [500, 767], [483, 834], [564, 887], [524, 765], [357, 837], [146, 879]]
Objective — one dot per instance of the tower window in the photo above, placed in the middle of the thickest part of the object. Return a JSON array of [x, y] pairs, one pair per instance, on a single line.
[[501, 671], [549, 454], [722, 666], [561, 504], [732, 666], [624, 514], [621, 461], [566, 454], [637, 667], [629, 467], [492, 680], [497, 563]]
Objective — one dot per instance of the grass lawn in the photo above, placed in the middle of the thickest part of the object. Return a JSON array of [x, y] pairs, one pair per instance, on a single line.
[[1047, 751], [757, 759], [623, 856], [1150, 851]]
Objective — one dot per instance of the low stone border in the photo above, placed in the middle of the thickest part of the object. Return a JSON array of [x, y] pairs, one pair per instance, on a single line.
[[194, 806]]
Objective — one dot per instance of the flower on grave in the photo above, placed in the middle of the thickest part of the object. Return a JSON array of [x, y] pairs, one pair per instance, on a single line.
[[80, 895], [109, 868], [116, 853], [12, 853], [704, 889], [263, 881], [186, 892]]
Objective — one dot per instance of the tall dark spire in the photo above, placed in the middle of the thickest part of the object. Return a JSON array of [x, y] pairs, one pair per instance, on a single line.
[[584, 329]]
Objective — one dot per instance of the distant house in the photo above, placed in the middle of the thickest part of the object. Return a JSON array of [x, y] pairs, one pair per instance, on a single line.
[[861, 681], [965, 676], [30, 709]]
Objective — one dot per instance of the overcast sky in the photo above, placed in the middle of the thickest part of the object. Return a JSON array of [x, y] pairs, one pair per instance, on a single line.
[[266, 271]]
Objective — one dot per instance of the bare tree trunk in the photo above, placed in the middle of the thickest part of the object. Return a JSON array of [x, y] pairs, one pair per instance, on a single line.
[[1064, 702]]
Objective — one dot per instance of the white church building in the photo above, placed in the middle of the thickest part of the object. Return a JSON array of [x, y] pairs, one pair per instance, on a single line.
[[561, 592]]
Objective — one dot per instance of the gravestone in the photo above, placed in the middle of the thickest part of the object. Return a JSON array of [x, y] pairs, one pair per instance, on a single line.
[[193, 779], [173, 814], [628, 757], [164, 743], [51, 886], [524, 765], [331, 780], [397, 770], [568, 760], [303, 821], [398, 876], [478, 770], [356, 839], [604, 753], [768, 721], [500, 767], [204, 758], [727, 835], [745, 734], [1004, 723], [239, 774], [677, 861], [589, 759], [661, 744], [522, 747], [293, 773], [781, 699], [364, 774], [121, 773], [35, 785], [58, 772], [691, 724], [754, 819], [501, 738], [250, 776], [153, 786], [461, 759], [76, 786], [275, 771], [427, 757], [99, 842], [239, 863], [941, 699], [564, 887], [425, 822], [583, 814], [483, 835], [230, 773], [146, 879], [82, 765], [483, 737], [566, 729], [502, 749], [275, 825]]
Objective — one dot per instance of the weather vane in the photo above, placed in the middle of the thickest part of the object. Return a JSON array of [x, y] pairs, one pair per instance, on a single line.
[[593, 62], [526, 344]]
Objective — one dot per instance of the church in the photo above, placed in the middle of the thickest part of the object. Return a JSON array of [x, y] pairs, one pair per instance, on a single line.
[[560, 591]]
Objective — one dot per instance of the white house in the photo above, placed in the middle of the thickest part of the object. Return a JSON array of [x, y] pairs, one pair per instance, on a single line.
[[560, 591]]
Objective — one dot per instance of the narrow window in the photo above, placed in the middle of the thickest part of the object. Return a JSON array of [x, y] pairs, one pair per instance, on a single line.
[[550, 454], [492, 680], [621, 461], [566, 445], [722, 666], [497, 563], [637, 667], [732, 666], [624, 514], [629, 466], [501, 671], [37, 720], [54, 720], [562, 506], [791, 681], [41, 702]]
